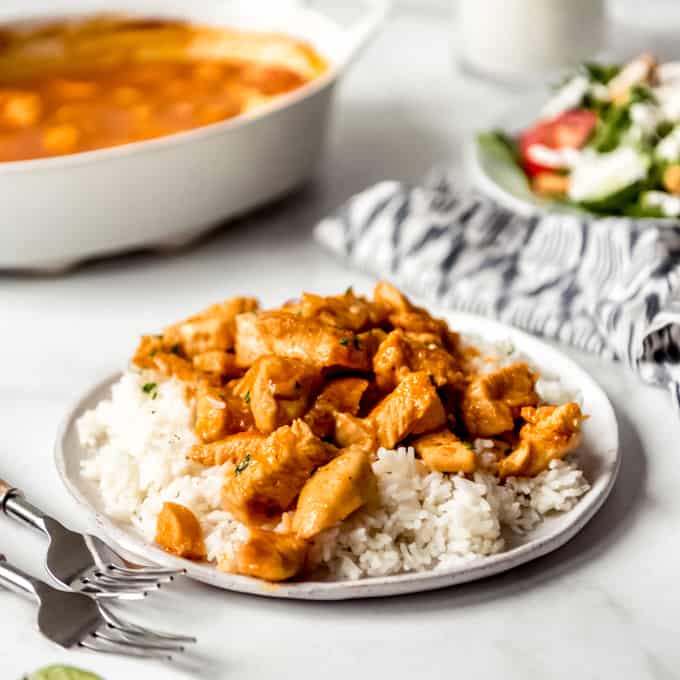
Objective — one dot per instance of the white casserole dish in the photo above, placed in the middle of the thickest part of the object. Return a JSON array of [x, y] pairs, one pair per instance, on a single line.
[[166, 191]]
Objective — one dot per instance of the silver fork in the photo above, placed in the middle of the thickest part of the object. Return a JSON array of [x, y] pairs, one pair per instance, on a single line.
[[75, 620], [83, 562]]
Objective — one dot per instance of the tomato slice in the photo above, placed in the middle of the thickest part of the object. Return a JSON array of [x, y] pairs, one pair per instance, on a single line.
[[569, 130]]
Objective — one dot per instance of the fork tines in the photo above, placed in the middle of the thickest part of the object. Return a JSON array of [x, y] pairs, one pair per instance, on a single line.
[[113, 581], [116, 636]]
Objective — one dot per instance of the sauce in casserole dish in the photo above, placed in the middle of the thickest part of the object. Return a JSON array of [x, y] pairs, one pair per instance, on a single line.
[[69, 87]]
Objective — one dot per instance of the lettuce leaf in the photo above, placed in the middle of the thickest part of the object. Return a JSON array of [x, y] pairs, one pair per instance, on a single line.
[[502, 161]]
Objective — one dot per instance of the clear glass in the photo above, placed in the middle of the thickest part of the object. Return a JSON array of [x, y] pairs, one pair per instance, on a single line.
[[524, 40]]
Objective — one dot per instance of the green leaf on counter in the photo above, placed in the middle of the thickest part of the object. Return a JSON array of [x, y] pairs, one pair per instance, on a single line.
[[62, 673]]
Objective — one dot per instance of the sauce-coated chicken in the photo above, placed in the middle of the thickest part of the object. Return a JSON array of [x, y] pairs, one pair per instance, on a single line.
[[269, 481], [342, 395], [353, 431], [492, 401], [295, 402], [286, 334], [217, 363], [179, 532], [211, 329], [343, 311], [271, 556], [220, 412], [402, 313], [442, 451], [278, 390], [231, 449], [412, 407], [402, 353], [334, 492], [551, 432]]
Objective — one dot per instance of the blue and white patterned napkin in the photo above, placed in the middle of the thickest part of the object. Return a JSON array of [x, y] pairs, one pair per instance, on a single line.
[[606, 285]]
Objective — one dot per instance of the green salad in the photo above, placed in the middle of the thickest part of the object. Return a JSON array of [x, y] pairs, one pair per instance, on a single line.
[[607, 141]]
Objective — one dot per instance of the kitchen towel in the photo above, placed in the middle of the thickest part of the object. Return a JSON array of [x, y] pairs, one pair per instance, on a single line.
[[605, 285]]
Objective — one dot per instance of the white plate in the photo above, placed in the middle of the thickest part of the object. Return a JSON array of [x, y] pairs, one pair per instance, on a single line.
[[599, 458], [497, 179]]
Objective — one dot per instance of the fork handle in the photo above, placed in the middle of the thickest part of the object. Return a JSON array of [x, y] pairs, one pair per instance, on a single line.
[[18, 581], [14, 505]]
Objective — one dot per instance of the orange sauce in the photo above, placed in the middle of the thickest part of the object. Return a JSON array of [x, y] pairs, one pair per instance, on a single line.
[[68, 107]]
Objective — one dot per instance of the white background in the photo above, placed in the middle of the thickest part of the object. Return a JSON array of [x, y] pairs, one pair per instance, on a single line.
[[605, 606]]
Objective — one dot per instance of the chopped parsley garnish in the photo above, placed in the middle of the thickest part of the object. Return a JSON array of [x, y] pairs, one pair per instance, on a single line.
[[151, 389], [344, 341], [468, 445], [242, 465], [175, 348], [246, 398], [153, 352], [349, 291]]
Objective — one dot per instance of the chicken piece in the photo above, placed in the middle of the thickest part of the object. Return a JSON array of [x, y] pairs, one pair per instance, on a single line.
[[149, 346], [211, 329], [353, 431], [235, 449], [413, 406], [550, 432], [172, 365], [442, 451], [219, 412], [433, 418], [286, 335], [402, 313], [200, 335], [402, 353], [334, 492], [371, 340], [278, 390], [271, 556], [391, 298], [178, 531], [514, 464], [348, 311], [269, 481], [342, 395], [492, 401], [217, 363]]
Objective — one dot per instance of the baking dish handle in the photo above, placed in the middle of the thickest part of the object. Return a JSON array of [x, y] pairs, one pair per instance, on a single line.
[[363, 29]]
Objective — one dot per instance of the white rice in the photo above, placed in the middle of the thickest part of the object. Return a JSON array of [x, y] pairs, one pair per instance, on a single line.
[[425, 520]]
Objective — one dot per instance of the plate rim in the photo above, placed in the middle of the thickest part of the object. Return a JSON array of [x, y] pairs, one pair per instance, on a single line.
[[135, 547], [511, 119]]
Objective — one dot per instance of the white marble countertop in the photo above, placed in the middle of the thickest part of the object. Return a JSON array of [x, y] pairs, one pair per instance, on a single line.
[[605, 606]]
